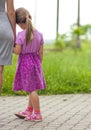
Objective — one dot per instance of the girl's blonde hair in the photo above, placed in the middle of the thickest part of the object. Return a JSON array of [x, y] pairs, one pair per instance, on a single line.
[[23, 16]]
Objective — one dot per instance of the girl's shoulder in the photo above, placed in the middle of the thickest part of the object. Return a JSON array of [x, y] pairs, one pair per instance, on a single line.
[[37, 32], [21, 33]]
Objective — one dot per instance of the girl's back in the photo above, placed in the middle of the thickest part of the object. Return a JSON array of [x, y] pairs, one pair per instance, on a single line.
[[34, 45]]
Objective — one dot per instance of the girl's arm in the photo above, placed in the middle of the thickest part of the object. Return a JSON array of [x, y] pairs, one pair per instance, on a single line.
[[17, 49], [11, 15], [41, 53]]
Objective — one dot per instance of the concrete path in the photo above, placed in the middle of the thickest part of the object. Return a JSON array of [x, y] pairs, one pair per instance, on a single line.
[[60, 112]]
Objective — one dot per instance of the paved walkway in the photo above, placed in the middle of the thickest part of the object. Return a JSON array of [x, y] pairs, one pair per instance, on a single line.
[[60, 112]]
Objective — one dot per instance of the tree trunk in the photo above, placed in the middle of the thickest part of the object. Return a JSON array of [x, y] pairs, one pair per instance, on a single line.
[[57, 21], [78, 44]]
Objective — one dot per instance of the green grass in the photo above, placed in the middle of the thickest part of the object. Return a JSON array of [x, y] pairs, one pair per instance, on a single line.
[[65, 72]]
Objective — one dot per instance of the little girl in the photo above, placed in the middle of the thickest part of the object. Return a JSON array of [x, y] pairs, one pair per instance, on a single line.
[[29, 75]]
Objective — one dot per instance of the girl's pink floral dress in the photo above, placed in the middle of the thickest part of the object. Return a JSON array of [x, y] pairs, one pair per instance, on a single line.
[[29, 75]]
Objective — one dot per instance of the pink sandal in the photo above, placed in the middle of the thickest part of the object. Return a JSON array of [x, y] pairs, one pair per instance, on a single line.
[[24, 114], [34, 117]]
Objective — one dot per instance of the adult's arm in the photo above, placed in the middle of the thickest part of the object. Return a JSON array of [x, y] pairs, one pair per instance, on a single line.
[[11, 15]]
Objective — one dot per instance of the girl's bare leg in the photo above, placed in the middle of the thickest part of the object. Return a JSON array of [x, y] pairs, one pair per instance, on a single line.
[[34, 100], [33, 96], [29, 102]]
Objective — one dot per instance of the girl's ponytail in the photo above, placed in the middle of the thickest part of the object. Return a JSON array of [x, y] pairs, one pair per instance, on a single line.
[[29, 30]]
